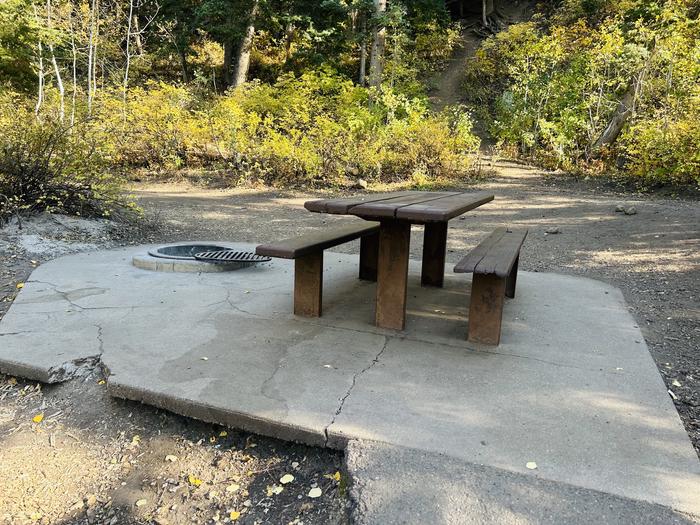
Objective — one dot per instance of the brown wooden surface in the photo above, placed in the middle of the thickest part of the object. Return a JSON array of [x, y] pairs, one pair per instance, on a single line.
[[369, 253], [392, 274], [486, 309], [512, 279], [494, 255], [341, 206], [434, 247], [443, 209], [308, 285], [501, 257], [470, 261], [413, 206], [389, 207], [317, 241]]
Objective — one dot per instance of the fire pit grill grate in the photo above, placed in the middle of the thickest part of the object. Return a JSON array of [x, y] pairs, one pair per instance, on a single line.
[[231, 256]]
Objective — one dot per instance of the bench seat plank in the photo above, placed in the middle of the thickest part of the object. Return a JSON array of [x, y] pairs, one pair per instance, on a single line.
[[296, 247], [469, 263], [443, 209], [500, 259]]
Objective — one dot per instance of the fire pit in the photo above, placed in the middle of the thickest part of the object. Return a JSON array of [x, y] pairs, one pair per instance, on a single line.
[[196, 257]]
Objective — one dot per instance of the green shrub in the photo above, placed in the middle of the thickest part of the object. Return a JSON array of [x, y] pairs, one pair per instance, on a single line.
[[49, 165], [550, 90]]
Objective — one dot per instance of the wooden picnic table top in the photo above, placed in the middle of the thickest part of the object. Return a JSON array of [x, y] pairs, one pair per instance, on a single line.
[[409, 206]]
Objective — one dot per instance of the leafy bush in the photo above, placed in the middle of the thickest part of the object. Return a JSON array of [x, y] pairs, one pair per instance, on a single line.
[[552, 89], [317, 127], [51, 166]]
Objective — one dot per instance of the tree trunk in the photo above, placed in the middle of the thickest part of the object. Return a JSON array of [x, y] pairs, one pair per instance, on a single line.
[[127, 65], [376, 63], [243, 63], [228, 59], [184, 65], [483, 14], [619, 118], [40, 72], [363, 51], [288, 39], [137, 34]]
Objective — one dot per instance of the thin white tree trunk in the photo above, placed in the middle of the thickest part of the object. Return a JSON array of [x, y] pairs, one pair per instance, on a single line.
[[243, 63], [40, 73], [90, 57], [363, 51], [128, 58], [57, 71], [75, 73], [376, 63]]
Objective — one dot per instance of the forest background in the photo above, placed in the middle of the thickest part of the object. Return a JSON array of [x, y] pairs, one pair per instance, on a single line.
[[94, 93]]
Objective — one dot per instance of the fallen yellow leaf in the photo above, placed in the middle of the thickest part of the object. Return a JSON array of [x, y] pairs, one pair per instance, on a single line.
[[38, 418], [194, 481], [335, 476], [12, 381], [223, 433], [20, 286], [234, 515], [101, 382]]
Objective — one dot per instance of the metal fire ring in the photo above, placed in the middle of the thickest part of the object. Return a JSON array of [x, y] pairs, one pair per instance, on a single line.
[[231, 256]]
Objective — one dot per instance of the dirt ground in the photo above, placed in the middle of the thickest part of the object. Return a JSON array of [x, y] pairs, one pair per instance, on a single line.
[[93, 459]]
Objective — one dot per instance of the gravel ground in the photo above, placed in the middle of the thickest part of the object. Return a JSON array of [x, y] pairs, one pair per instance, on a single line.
[[104, 460]]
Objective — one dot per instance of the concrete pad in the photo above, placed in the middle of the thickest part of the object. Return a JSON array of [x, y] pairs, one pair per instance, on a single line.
[[572, 386], [397, 485]]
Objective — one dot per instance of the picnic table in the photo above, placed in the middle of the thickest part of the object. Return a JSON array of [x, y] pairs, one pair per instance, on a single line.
[[396, 212]]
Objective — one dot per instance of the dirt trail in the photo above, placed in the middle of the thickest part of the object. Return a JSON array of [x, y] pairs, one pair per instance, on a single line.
[[449, 88]]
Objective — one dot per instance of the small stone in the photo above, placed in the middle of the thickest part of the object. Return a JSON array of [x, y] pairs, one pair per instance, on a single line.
[[315, 492], [531, 465], [552, 231], [675, 382], [141, 502], [362, 184], [233, 487], [619, 208], [91, 500], [287, 478], [212, 494], [170, 458], [295, 464], [631, 211]]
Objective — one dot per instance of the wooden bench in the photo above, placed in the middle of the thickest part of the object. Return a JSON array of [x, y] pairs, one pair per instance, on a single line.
[[494, 264], [307, 252]]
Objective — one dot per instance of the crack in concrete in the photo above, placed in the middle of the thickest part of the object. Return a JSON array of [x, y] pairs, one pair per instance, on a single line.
[[352, 386]]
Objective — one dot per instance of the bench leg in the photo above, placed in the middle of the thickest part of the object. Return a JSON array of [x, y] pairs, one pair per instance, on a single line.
[[369, 253], [512, 278], [434, 246], [392, 274], [308, 285], [486, 309]]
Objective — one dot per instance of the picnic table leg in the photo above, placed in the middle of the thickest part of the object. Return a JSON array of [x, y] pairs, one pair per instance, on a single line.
[[308, 285], [392, 274], [434, 247]]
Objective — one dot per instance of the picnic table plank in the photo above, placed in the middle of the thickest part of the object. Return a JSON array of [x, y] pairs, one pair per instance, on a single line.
[[341, 206], [445, 208], [389, 208]]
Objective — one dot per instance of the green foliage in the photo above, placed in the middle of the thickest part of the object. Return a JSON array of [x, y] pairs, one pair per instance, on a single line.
[[317, 127], [47, 165], [551, 89]]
